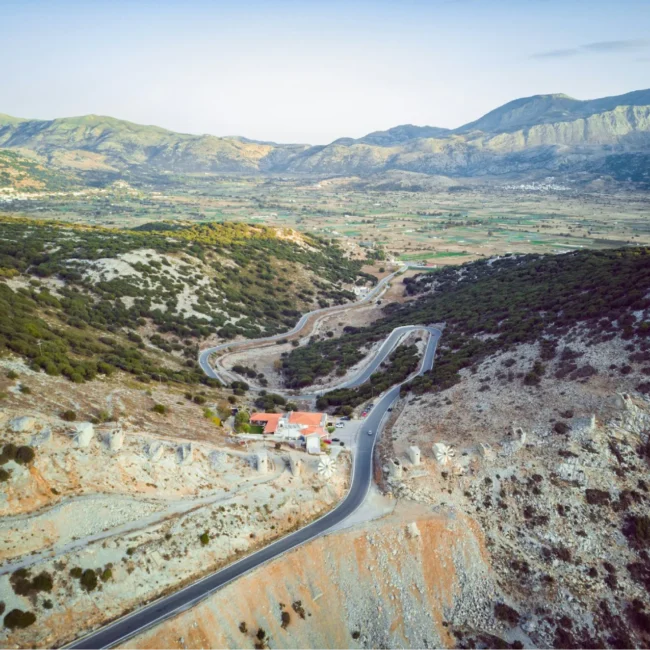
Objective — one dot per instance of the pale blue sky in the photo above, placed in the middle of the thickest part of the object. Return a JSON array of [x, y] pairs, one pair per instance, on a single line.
[[312, 71]]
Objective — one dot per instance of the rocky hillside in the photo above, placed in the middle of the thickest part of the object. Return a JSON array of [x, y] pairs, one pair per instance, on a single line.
[[79, 301], [534, 135], [392, 584]]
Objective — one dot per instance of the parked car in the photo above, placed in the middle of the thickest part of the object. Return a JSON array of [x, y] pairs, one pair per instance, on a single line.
[[336, 440], [391, 408], [339, 425], [347, 418], [363, 415], [369, 432]]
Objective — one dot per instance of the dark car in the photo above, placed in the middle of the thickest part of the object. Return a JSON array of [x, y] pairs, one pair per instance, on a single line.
[[391, 408], [336, 440], [347, 418]]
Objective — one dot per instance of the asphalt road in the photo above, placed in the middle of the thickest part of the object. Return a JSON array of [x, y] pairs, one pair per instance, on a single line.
[[226, 378], [165, 607]]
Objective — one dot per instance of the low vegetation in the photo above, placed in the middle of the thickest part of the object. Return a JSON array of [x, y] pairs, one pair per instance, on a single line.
[[491, 306]]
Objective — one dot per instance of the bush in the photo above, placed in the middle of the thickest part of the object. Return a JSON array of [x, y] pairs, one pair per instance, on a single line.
[[12, 374], [506, 613], [161, 409], [561, 428], [17, 619], [243, 628], [26, 390], [4, 475], [597, 497], [106, 574], [89, 580], [43, 582], [205, 539], [286, 619], [24, 455], [76, 572], [637, 530], [69, 415]]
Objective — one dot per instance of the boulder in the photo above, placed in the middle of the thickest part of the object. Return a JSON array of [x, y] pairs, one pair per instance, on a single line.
[[41, 438], [583, 427], [24, 424], [412, 530], [83, 434]]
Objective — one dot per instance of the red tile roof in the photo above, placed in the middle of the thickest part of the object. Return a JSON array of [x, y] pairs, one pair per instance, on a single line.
[[270, 421], [305, 418]]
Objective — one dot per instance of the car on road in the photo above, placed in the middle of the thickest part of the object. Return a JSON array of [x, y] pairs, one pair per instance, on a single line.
[[336, 440], [390, 409], [370, 432], [363, 415], [339, 425], [347, 418]]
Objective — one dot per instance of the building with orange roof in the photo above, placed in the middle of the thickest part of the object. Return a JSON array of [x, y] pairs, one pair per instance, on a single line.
[[291, 425], [270, 421]]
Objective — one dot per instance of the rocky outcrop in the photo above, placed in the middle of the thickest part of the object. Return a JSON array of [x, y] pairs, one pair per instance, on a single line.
[[24, 424], [400, 582]]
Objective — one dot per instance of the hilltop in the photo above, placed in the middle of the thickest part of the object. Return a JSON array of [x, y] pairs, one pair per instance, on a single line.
[[529, 136]]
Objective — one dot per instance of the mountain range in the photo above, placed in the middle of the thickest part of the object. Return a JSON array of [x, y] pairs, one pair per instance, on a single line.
[[539, 135]]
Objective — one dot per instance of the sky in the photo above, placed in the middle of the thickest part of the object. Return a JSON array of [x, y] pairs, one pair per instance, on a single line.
[[312, 70]]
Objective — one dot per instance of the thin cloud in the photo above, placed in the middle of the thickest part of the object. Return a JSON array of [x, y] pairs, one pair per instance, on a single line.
[[602, 47]]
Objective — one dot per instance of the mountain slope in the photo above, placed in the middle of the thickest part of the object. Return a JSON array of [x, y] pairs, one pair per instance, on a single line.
[[534, 135], [118, 144]]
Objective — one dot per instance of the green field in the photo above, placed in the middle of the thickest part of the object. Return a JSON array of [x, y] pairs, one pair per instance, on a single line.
[[413, 257]]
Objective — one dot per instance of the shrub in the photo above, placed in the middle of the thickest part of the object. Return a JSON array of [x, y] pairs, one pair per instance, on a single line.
[[69, 415], [76, 572], [43, 582], [48, 604], [26, 390], [17, 619], [286, 619], [597, 497], [12, 374], [106, 574], [199, 399], [89, 580], [506, 613], [4, 475], [24, 455], [243, 628], [637, 530], [161, 409], [205, 539], [561, 428]]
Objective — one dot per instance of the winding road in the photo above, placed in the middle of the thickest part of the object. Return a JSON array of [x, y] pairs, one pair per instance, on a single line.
[[167, 606]]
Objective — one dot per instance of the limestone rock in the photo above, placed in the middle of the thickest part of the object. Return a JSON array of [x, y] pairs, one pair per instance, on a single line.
[[24, 424], [412, 530], [84, 433], [394, 469], [42, 438]]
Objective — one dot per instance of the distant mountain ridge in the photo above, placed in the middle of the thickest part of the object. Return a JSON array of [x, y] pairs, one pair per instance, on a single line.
[[542, 133]]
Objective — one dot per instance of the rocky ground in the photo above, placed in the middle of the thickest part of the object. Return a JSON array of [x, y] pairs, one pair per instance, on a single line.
[[524, 523], [389, 584], [100, 517]]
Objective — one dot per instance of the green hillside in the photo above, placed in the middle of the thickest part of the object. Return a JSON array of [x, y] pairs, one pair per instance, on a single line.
[[83, 300], [489, 307]]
